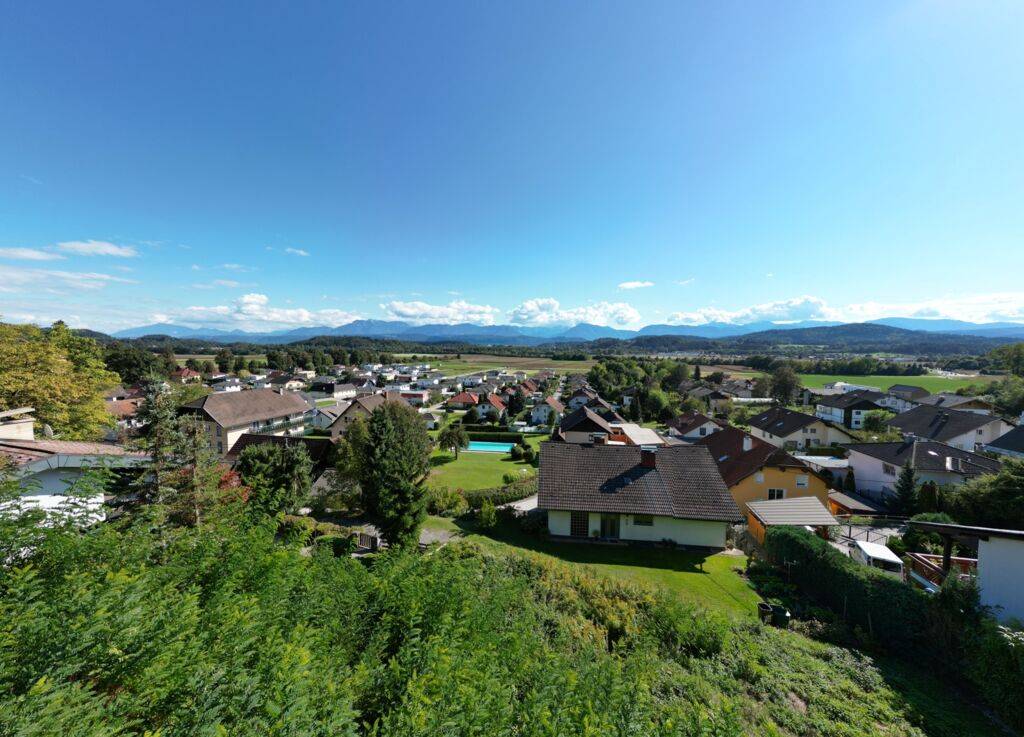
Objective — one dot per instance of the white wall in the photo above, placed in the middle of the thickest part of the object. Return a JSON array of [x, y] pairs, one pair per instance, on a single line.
[[682, 531], [1001, 576]]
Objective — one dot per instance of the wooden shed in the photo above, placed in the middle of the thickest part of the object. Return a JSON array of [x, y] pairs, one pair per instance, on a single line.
[[804, 511]]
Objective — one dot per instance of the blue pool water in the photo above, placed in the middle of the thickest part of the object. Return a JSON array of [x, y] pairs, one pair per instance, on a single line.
[[485, 447]]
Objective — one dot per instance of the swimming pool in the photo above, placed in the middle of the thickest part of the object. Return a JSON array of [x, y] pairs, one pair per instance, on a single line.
[[484, 447]]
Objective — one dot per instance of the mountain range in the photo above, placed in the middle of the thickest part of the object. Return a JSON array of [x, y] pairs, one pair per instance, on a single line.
[[581, 332]]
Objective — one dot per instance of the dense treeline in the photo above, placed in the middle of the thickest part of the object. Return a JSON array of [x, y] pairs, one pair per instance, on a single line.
[[859, 366]]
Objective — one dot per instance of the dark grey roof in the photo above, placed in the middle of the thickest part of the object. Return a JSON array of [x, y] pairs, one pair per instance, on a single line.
[[948, 400], [684, 483], [909, 390], [852, 400], [935, 423], [928, 455], [781, 421], [231, 409], [1012, 441], [584, 419]]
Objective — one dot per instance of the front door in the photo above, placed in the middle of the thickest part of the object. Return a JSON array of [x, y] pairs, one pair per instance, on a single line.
[[610, 526]]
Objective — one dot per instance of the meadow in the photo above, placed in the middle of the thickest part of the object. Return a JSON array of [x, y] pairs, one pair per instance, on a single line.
[[933, 384]]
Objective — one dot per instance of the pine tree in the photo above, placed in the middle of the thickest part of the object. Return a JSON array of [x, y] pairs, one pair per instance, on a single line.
[[905, 501]]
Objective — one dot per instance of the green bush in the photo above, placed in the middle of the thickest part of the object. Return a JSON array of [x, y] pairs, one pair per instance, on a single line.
[[529, 455], [340, 545], [296, 529], [516, 452], [446, 502], [503, 494], [509, 478], [488, 517]]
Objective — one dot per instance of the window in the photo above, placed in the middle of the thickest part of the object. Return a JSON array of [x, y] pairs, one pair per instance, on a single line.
[[774, 494], [759, 478], [888, 470], [801, 481], [579, 524], [704, 431], [643, 520], [981, 431], [814, 431]]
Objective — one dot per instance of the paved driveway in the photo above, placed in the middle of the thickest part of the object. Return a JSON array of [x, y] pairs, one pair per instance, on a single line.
[[523, 505]]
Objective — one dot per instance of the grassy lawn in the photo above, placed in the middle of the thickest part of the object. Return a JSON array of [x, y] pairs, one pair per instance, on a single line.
[[473, 362], [701, 578], [475, 470], [934, 384], [326, 402]]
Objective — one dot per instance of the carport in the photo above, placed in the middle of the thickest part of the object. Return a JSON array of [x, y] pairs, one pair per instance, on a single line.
[[804, 511]]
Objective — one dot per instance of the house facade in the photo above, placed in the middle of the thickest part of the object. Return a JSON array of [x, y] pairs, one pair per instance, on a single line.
[[611, 493], [963, 430], [227, 416], [542, 412], [848, 409], [791, 430]]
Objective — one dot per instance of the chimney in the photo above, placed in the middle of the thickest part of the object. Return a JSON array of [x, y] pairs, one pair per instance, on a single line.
[[748, 443], [648, 456]]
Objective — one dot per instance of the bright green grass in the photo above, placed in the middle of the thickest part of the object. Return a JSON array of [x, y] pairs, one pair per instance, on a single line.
[[476, 470], [701, 578], [934, 384]]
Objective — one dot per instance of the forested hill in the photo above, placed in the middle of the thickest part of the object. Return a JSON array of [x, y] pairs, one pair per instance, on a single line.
[[850, 338]]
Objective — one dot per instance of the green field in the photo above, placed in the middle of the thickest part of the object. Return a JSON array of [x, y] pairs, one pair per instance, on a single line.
[[470, 363], [476, 470], [933, 384]]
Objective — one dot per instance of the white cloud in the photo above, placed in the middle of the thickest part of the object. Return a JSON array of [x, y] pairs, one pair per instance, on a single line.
[[225, 283], [685, 282], [254, 312], [15, 279], [29, 254], [454, 312], [635, 284], [97, 248], [987, 307], [549, 311], [296, 252], [236, 267]]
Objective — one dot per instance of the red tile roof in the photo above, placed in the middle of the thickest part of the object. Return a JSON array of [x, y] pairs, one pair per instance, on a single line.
[[735, 464]]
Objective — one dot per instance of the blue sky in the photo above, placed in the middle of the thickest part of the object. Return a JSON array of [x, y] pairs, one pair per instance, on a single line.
[[618, 163]]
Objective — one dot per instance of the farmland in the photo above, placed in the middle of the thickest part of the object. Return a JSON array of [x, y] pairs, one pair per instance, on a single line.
[[933, 384], [469, 363]]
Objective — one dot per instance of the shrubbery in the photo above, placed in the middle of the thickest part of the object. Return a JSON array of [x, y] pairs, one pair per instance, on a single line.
[[503, 494], [445, 501]]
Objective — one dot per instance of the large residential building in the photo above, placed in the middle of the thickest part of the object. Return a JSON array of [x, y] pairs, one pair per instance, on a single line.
[[876, 466], [692, 426], [902, 397], [542, 412], [229, 415], [359, 407], [615, 492], [848, 409], [791, 430], [755, 470], [963, 430]]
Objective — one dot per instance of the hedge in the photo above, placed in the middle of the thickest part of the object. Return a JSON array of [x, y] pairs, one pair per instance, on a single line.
[[947, 627], [496, 437], [481, 427], [502, 494], [888, 609]]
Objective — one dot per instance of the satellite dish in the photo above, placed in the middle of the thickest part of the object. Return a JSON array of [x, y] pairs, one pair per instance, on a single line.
[[47, 432]]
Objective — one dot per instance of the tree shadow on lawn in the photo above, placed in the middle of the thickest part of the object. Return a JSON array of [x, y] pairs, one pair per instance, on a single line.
[[588, 552], [436, 461]]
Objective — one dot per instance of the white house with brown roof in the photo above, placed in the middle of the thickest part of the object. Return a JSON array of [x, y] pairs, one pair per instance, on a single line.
[[228, 416]]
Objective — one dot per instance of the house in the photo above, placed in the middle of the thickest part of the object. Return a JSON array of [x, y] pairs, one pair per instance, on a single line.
[[583, 426], [633, 434], [948, 400], [601, 407], [844, 387], [848, 409], [963, 430], [185, 375], [692, 426], [901, 397], [755, 470], [304, 375], [433, 419], [580, 398], [332, 387], [490, 405], [1000, 563], [287, 382], [612, 493], [876, 466], [462, 400], [791, 430], [1010, 444], [415, 397], [48, 467], [229, 415], [543, 412], [324, 417], [716, 399], [801, 512], [227, 384], [125, 412], [359, 407]]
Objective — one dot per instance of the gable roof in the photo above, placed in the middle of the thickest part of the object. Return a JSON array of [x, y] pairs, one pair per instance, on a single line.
[[1012, 441], [495, 401], [230, 409], [798, 511], [553, 403], [949, 400], [908, 390], [689, 421], [935, 423], [463, 398], [25, 452], [781, 421], [928, 455], [584, 420], [684, 482], [851, 400], [735, 464]]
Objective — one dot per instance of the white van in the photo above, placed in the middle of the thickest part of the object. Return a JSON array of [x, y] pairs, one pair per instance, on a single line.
[[877, 556]]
